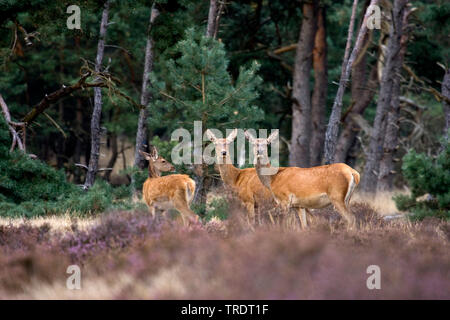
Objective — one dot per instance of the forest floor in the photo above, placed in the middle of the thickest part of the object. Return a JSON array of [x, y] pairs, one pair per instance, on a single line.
[[127, 254]]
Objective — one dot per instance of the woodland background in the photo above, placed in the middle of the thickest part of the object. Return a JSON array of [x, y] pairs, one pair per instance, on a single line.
[[160, 65]]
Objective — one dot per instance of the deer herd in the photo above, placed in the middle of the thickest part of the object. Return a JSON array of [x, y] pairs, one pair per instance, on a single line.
[[289, 188]]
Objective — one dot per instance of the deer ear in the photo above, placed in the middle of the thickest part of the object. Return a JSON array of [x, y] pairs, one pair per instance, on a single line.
[[232, 135], [211, 135], [145, 155], [249, 136], [154, 154], [272, 136]]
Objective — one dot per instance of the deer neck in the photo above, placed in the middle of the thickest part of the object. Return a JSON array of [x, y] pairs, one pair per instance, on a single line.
[[260, 165], [152, 171], [228, 172]]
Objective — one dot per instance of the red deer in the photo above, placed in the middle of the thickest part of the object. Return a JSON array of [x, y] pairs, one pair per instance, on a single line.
[[244, 182], [176, 189], [306, 188]]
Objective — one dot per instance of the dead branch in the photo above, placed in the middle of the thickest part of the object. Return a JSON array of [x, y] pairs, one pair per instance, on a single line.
[[12, 126], [285, 49], [102, 80]]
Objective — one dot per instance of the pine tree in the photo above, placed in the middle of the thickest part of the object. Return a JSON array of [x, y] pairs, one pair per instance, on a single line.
[[197, 86]]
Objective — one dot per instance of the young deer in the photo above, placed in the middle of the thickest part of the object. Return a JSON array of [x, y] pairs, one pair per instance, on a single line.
[[306, 188], [177, 189], [244, 182]]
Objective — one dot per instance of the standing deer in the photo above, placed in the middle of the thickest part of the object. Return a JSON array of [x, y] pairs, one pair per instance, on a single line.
[[306, 188], [244, 182], [176, 189]]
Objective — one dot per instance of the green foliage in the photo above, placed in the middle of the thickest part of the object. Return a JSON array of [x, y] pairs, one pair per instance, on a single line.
[[427, 175], [196, 85], [217, 208], [31, 188]]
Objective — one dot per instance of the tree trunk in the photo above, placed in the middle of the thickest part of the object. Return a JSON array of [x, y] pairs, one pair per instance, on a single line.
[[114, 155], [391, 71], [301, 95], [446, 105], [79, 140], [335, 117], [141, 136], [212, 19], [202, 181], [319, 97], [386, 175], [97, 112], [363, 92]]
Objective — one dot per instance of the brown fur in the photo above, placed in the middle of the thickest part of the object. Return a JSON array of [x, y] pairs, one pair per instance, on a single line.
[[310, 188], [177, 189], [243, 182]]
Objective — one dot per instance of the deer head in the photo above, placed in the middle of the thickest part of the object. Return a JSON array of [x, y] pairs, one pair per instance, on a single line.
[[222, 146], [260, 144], [158, 163]]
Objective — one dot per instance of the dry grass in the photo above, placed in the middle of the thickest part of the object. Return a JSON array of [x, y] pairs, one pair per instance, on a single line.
[[62, 223], [382, 202]]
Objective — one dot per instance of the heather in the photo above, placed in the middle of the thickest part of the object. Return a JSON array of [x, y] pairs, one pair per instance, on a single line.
[[129, 255]]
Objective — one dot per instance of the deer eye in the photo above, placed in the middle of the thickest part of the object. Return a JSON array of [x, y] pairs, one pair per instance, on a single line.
[[164, 161]]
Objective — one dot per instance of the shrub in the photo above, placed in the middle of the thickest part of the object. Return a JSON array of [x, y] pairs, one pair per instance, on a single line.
[[426, 175], [31, 188], [217, 208]]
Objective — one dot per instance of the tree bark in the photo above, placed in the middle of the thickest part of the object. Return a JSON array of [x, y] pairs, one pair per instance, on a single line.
[[391, 71], [335, 117], [319, 96], [141, 136], [97, 112], [362, 94], [390, 145], [114, 155], [212, 19], [301, 95]]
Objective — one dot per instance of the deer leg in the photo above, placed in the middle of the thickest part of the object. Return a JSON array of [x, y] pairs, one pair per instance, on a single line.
[[302, 216], [342, 208], [151, 208], [251, 213]]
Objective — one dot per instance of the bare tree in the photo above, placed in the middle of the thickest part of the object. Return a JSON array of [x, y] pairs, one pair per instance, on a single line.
[[391, 71], [335, 117], [97, 112], [141, 135], [319, 96], [301, 95]]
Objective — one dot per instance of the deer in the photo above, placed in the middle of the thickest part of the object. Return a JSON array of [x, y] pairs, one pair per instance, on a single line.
[[244, 182], [306, 188], [176, 189]]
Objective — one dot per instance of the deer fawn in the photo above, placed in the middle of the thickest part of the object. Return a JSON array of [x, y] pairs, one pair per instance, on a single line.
[[176, 189], [244, 182], [306, 188]]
